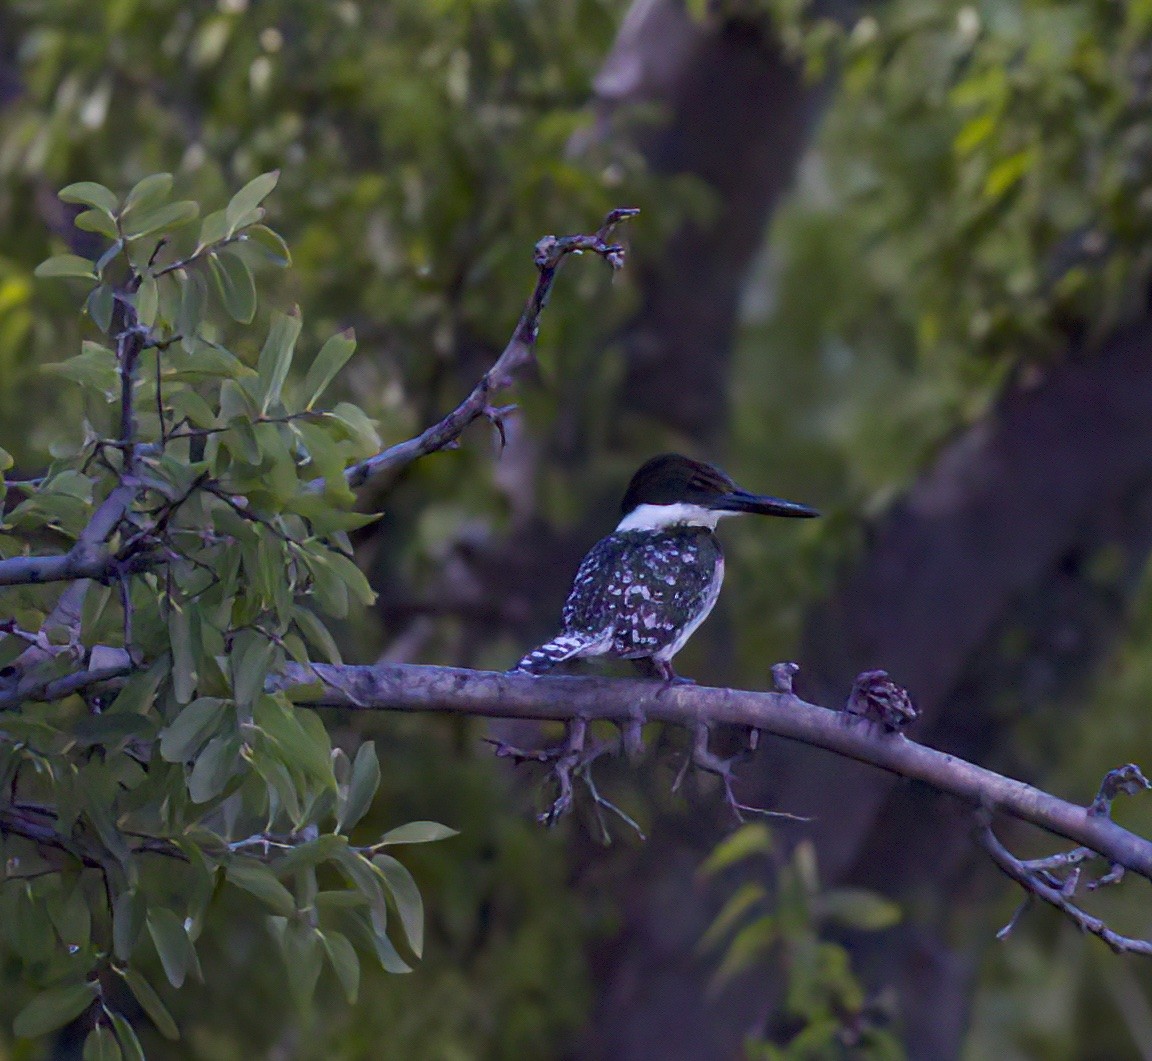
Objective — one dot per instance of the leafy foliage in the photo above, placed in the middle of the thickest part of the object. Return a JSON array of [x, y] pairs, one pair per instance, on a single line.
[[825, 1012], [231, 541]]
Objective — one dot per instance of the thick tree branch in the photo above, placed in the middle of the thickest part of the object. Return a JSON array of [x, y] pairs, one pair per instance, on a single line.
[[550, 253], [50, 690], [782, 714], [86, 559]]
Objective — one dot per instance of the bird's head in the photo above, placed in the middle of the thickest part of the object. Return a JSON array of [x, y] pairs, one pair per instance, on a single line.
[[672, 490]]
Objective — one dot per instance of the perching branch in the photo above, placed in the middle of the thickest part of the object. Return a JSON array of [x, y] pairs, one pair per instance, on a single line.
[[571, 699], [550, 253]]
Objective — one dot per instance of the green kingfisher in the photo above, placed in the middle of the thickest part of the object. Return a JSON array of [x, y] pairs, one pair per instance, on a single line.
[[642, 591]]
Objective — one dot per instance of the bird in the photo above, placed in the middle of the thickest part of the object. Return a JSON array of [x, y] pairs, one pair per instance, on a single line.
[[641, 591]]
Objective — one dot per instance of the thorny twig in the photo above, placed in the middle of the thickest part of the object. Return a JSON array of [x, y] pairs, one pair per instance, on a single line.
[[1040, 877]]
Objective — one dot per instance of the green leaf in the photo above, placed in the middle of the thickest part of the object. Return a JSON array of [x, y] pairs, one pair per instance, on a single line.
[[147, 301], [742, 900], [184, 653], [857, 908], [169, 216], [139, 691], [1008, 172], [99, 792], [89, 193], [94, 367], [284, 726], [191, 729], [361, 789], [193, 293], [101, 1045], [54, 1008], [406, 895], [99, 305], [250, 662], [149, 191], [417, 833], [97, 221], [333, 356], [249, 197], [68, 909], [273, 245], [276, 356], [356, 426], [214, 768], [128, 917], [126, 1036], [259, 880], [345, 963], [353, 578], [150, 1002], [177, 954], [316, 634], [748, 947], [66, 265], [304, 959], [386, 954], [213, 228], [234, 286], [748, 840]]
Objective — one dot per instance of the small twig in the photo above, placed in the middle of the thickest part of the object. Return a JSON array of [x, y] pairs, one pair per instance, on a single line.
[[599, 801], [704, 759], [1124, 779], [1014, 920], [1035, 885], [199, 253], [783, 675], [519, 352]]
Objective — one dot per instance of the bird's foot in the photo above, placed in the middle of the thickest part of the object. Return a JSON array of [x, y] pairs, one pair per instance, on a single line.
[[661, 669]]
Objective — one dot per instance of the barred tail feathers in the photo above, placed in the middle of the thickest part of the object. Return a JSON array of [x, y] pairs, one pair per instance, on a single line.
[[562, 647]]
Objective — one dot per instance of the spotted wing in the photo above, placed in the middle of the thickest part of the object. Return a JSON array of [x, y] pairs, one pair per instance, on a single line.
[[648, 588]]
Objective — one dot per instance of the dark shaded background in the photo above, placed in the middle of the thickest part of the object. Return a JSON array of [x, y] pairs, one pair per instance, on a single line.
[[892, 261]]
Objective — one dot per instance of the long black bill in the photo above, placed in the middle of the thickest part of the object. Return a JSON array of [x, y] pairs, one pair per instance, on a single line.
[[742, 501]]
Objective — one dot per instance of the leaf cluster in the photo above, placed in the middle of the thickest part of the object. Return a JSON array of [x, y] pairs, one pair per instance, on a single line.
[[825, 1011], [126, 811]]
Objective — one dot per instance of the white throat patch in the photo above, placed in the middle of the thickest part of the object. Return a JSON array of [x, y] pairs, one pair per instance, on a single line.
[[660, 517]]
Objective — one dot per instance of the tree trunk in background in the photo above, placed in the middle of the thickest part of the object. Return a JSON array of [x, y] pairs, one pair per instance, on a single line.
[[983, 594], [979, 583], [736, 115]]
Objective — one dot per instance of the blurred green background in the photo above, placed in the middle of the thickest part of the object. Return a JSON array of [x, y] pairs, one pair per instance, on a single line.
[[893, 260]]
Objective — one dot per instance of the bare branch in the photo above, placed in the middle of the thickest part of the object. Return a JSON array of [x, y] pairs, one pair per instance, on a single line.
[[1060, 897], [550, 253], [563, 698]]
